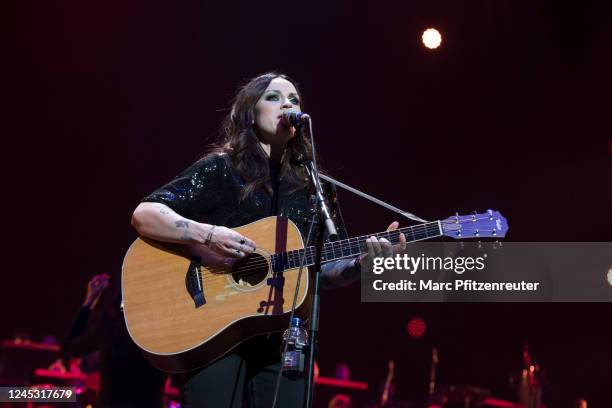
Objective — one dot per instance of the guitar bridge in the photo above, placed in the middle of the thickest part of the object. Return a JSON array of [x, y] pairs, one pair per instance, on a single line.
[[195, 283]]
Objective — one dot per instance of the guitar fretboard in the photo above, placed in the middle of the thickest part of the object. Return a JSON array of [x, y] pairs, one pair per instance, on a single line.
[[352, 246]]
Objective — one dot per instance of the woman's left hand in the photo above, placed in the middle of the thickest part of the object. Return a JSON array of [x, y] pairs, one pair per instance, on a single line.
[[382, 247]]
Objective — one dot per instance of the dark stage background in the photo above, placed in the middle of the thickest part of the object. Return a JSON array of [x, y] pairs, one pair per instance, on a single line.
[[108, 100]]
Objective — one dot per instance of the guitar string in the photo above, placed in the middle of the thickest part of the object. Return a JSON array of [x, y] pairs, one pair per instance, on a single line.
[[255, 266], [345, 245], [347, 242], [351, 244], [215, 279], [262, 261], [265, 262], [259, 262], [209, 281]]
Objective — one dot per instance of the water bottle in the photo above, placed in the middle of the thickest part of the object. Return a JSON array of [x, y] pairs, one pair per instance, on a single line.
[[297, 340]]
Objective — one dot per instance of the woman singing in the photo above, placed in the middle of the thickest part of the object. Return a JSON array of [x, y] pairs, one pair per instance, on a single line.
[[253, 174]]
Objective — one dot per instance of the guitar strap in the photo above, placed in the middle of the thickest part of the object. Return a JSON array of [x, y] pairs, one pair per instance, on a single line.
[[275, 182], [281, 234], [277, 282]]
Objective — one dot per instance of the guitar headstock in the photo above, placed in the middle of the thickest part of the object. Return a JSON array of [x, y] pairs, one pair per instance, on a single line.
[[490, 224]]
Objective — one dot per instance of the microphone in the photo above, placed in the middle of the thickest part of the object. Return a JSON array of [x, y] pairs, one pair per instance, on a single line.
[[293, 117]]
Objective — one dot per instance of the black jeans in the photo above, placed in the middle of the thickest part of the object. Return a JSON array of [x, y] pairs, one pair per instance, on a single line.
[[244, 378]]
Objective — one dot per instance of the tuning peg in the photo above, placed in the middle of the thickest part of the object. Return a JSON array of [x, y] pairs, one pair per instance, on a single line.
[[459, 230], [490, 212], [494, 232], [456, 218], [474, 216], [476, 233]]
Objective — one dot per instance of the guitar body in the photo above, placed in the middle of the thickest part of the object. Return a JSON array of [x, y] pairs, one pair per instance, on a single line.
[[185, 308]]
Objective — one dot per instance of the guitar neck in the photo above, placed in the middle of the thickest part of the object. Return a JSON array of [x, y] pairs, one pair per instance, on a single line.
[[356, 246]]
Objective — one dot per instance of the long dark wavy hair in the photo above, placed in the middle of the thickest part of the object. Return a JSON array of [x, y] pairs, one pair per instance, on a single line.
[[239, 141]]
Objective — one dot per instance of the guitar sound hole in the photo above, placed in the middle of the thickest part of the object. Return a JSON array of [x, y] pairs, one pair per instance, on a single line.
[[250, 271]]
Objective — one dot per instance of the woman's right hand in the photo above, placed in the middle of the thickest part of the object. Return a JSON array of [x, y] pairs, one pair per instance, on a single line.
[[158, 221], [228, 242]]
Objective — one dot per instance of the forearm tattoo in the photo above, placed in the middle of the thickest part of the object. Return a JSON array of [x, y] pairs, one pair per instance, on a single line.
[[185, 225], [182, 224]]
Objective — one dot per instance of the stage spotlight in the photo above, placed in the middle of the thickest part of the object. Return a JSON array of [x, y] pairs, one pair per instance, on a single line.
[[431, 38], [610, 276], [416, 327]]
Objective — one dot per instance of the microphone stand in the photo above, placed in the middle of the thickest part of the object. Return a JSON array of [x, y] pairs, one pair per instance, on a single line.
[[324, 219], [321, 212]]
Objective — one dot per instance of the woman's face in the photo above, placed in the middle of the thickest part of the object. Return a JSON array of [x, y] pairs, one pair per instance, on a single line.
[[278, 97]]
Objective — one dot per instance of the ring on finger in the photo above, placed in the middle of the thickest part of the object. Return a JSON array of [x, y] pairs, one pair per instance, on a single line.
[[242, 241]]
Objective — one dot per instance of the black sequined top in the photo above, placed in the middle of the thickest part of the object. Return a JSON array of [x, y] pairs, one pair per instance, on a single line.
[[208, 191]]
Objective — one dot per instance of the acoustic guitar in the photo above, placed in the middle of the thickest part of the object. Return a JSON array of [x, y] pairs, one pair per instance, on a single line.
[[186, 306]]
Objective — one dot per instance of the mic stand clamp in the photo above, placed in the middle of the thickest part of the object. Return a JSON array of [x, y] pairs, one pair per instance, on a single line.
[[321, 205]]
